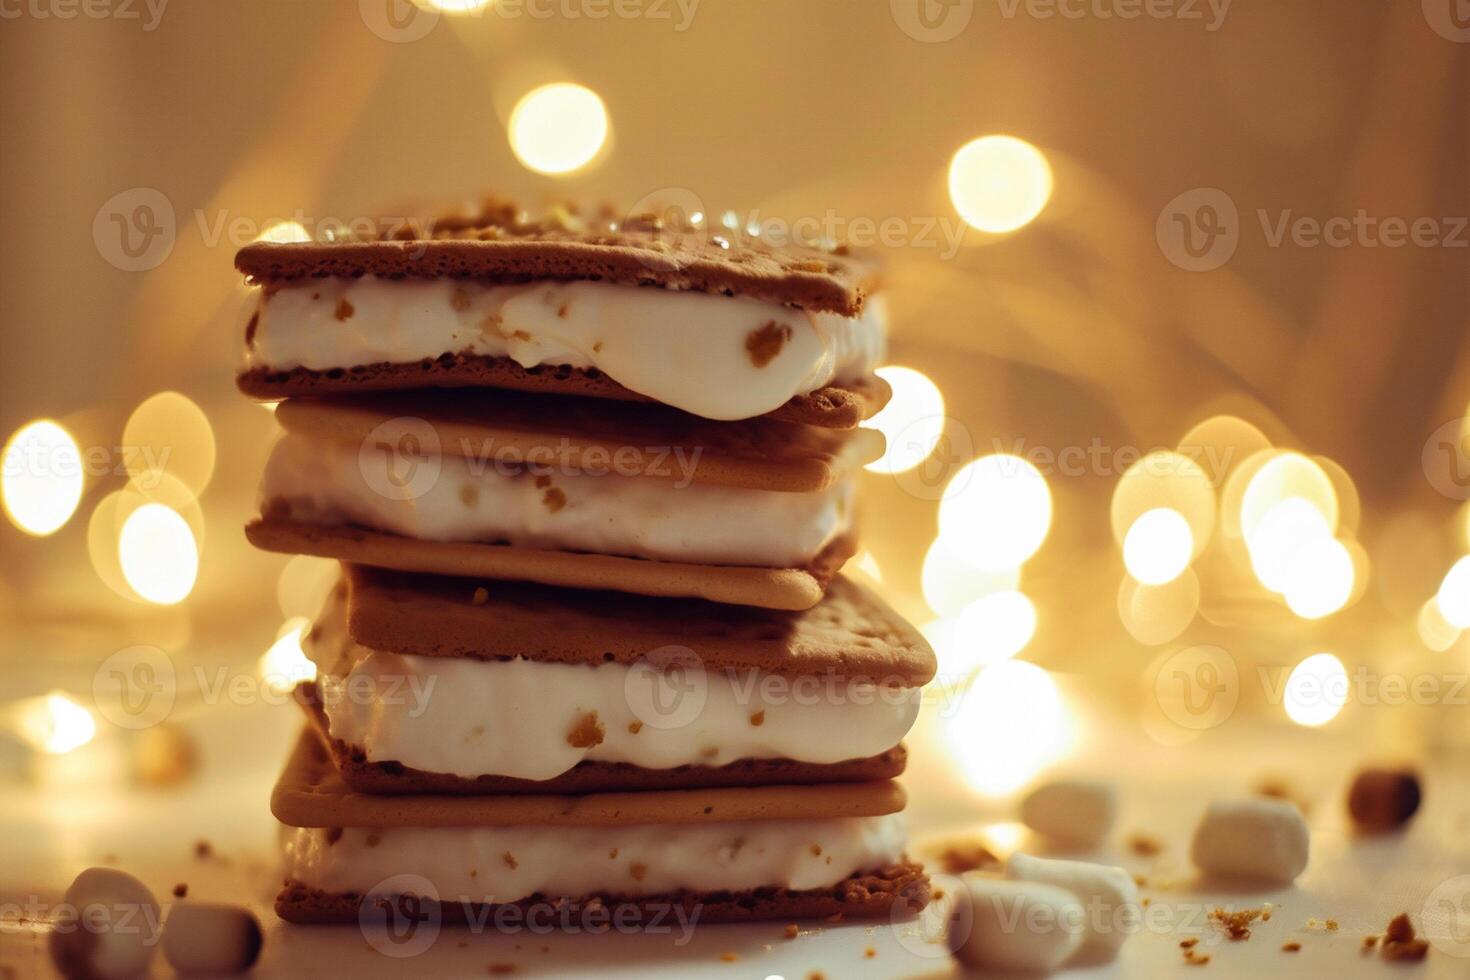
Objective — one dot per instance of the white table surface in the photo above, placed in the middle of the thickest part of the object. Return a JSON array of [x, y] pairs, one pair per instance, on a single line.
[[52, 830]]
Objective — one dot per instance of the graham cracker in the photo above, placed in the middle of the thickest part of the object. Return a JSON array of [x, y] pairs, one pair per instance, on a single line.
[[850, 633], [834, 407], [312, 793], [770, 588], [592, 435], [896, 892], [392, 778], [499, 243]]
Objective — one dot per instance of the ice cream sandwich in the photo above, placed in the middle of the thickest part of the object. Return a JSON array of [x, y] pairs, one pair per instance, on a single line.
[[566, 491], [704, 855], [448, 685], [629, 309]]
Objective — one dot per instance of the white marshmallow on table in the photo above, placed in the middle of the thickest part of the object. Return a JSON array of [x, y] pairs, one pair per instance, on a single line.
[[1071, 811], [106, 928], [1256, 838], [1108, 896], [203, 938], [1014, 925]]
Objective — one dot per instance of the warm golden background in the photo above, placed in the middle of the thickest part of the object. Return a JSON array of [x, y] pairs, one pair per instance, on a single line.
[[1074, 330]]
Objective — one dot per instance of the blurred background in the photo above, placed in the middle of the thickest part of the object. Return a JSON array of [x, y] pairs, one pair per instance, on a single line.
[[1179, 316]]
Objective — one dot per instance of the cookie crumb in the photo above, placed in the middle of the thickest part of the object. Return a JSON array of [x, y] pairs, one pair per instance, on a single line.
[[344, 310], [759, 718], [1237, 924], [634, 727], [1291, 947], [964, 856], [870, 953], [1144, 845], [510, 860], [637, 870], [587, 732], [1190, 943], [792, 931], [203, 849], [728, 957], [1399, 943], [481, 596], [1369, 942], [1331, 925], [612, 855], [469, 494], [816, 850], [181, 890], [1196, 959], [555, 499]]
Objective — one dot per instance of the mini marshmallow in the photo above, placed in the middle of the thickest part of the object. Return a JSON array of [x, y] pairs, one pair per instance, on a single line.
[[204, 938], [1072, 811], [1108, 896], [107, 927], [1256, 838], [1015, 925]]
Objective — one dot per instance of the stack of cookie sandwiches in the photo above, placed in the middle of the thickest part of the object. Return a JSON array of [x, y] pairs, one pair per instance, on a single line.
[[591, 484]]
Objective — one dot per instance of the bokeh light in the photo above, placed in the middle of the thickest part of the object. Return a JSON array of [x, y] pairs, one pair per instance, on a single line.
[[1287, 476], [168, 433], [1454, 594], [950, 582], [284, 233], [41, 483], [1280, 537], [1436, 632], [285, 664], [1319, 580], [558, 128], [1316, 690], [999, 183], [1010, 726], [912, 422], [1155, 614], [54, 723], [995, 627], [997, 510], [158, 554], [1221, 443], [1158, 547], [1164, 480]]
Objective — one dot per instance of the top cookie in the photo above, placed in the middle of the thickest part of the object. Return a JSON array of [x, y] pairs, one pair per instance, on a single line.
[[500, 244]]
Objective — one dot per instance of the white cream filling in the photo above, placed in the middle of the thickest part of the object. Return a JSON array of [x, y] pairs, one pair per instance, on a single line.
[[506, 864], [684, 349], [450, 498], [517, 717]]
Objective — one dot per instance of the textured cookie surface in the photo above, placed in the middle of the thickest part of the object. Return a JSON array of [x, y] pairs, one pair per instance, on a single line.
[[591, 435], [833, 407], [590, 776], [312, 793], [769, 588], [496, 242], [851, 633], [896, 892]]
